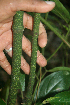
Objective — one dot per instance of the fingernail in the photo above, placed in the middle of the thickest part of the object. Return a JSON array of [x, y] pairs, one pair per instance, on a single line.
[[50, 2]]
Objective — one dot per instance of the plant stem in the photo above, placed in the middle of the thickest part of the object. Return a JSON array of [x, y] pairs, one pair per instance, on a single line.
[[33, 59], [46, 15], [55, 31], [59, 45], [55, 52], [16, 59]]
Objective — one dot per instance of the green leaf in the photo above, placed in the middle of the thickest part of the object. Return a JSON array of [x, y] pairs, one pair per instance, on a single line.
[[59, 69], [22, 81], [62, 98], [55, 82], [61, 11], [2, 102], [55, 31], [5, 91]]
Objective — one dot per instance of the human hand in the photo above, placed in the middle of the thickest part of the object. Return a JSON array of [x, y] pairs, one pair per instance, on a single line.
[[8, 9]]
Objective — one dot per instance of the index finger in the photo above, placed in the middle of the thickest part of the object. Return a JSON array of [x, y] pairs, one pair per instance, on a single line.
[[35, 6]]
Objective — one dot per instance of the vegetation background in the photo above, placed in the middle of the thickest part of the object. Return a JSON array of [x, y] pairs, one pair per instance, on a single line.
[[60, 59]]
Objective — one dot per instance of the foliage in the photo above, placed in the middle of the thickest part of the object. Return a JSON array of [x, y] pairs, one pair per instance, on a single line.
[[62, 98], [55, 82], [2, 102]]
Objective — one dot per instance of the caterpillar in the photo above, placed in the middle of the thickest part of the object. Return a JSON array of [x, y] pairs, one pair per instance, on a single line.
[[33, 59], [16, 59], [17, 29]]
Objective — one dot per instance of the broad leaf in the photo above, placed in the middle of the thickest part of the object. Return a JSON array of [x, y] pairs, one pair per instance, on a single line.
[[55, 82], [2, 102], [62, 98]]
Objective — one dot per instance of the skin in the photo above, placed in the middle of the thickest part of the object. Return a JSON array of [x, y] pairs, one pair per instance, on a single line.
[[8, 9]]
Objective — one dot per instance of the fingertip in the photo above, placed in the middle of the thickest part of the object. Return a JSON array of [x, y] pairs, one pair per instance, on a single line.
[[27, 72], [50, 3], [42, 40], [41, 59], [48, 6], [26, 69], [44, 63], [35, 6]]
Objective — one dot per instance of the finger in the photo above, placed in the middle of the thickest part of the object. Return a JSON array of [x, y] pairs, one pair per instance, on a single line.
[[26, 46], [6, 43], [41, 59], [5, 39], [28, 23], [4, 27], [35, 6], [7, 49], [24, 65], [42, 38], [4, 63]]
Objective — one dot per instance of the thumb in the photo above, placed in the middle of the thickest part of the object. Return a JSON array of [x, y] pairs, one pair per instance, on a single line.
[[35, 6]]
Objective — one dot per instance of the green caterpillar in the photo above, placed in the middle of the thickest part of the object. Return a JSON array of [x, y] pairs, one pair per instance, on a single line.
[[33, 59], [16, 59]]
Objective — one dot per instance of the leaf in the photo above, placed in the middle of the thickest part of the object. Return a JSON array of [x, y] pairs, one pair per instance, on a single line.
[[22, 81], [55, 82], [5, 91], [61, 11], [2, 102], [62, 98], [59, 69]]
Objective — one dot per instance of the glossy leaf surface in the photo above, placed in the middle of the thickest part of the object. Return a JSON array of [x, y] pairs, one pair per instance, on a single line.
[[62, 98], [55, 82]]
